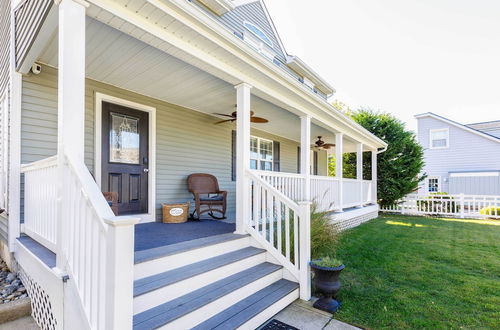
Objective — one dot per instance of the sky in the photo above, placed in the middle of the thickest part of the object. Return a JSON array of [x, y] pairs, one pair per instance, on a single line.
[[400, 56]]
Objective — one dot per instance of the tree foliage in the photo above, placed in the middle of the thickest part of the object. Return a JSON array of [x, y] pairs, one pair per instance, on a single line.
[[399, 167]]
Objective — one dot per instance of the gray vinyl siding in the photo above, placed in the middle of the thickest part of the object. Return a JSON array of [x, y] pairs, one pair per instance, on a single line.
[[475, 185], [186, 141], [467, 152], [4, 45], [29, 18], [254, 13]]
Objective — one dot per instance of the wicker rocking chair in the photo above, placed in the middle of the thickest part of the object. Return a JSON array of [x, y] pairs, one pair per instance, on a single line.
[[205, 190]]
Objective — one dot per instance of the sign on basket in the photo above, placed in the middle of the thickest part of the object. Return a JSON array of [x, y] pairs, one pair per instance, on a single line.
[[176, 211]]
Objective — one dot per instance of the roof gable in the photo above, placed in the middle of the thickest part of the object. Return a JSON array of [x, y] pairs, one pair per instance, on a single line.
[[458, 125]]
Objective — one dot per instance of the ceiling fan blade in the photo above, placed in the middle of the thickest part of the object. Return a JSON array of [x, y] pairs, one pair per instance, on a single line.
[[223, 121], [259, 120], [328, 145], [223, 114]]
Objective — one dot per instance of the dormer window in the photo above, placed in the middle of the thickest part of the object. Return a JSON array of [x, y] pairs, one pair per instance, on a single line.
[[256, 31]]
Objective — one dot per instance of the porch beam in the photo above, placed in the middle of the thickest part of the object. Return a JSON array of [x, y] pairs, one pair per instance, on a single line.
[[243, 97], [374, 176], [339, 151], [359, 170]]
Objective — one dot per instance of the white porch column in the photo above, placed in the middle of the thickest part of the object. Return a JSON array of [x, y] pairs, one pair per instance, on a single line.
[[71, 78], [359, 170], [305, 209], [305, 155], [242, 155], [71, 97], [374, 176], [339, 151]]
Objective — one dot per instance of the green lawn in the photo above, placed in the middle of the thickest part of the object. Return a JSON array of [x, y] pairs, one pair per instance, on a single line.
[[418, 272]]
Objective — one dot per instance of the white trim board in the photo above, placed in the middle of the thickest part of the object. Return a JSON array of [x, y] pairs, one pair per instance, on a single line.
[[453, 123], [99, 98]]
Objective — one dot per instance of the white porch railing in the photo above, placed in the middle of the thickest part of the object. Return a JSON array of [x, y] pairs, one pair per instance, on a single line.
[[282, 226], [325, 190], [40, 201], [93, 246], [462, 206], [289, 184]]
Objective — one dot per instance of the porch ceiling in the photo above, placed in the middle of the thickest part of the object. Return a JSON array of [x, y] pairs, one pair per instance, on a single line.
[[118, 59]]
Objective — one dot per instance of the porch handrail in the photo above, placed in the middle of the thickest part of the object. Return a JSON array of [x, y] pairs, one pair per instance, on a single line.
[[96, 249], [282, 226]]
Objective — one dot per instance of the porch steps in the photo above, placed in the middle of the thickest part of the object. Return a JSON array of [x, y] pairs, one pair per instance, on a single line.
[[202, 298], [170, 277], [196, 280], [152, 261]]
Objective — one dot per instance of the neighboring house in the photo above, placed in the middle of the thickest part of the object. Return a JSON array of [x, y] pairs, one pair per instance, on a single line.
[[121, 97], [460, 158]]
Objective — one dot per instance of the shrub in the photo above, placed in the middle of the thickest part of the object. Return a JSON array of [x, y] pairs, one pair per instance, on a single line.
[[324, 236], [490, 210]]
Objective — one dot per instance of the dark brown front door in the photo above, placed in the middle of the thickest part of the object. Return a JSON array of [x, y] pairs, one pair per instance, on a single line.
[[125, 156]]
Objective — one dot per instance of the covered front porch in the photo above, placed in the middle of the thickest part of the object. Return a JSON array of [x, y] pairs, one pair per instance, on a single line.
[[104, 66]]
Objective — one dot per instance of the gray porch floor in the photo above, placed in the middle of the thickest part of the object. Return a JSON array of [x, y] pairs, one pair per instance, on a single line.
[[156, 234]]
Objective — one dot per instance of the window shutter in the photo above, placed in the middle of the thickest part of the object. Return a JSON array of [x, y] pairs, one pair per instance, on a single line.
[[298, 160], [315, 163], [276, 156], [233, 155]]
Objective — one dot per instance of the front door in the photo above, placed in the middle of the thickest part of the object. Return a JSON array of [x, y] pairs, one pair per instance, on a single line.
[[125, 150]]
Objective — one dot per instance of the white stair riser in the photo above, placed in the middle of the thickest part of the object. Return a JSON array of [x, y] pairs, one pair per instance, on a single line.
[[160, 265], [198, 316], [175, 290], [269, 312]]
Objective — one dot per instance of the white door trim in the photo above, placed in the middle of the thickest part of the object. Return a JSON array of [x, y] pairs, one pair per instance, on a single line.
[[99, 98]]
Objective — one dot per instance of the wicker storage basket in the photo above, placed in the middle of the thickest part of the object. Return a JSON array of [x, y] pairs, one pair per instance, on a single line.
[[175, 213]]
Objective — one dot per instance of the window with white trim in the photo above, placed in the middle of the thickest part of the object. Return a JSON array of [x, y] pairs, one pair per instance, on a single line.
[[433, 184], [439, 138], [261, 154]]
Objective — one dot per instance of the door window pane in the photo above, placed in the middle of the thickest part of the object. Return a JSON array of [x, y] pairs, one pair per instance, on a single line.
[[124, 139], [433, 185]]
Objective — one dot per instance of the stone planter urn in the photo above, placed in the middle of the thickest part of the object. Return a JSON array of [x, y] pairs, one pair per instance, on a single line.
[[326, 281]]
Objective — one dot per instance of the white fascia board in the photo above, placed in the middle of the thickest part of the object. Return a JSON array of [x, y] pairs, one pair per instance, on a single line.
[[220, 7], [455, 124], [299, 66]]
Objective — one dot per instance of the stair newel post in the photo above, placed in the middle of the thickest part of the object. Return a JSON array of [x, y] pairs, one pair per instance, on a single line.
[[305, 250], [120, 272]]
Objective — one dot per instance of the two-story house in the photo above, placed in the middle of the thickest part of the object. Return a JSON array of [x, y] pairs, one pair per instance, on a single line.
[[129, 98], [459, 158]]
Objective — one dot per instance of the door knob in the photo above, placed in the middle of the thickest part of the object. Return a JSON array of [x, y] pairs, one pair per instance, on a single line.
[[146, 170]]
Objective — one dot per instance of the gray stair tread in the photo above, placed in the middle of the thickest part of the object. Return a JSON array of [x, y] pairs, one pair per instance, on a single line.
[[243, 311], [167, 312], [163, 251], [157, 281]]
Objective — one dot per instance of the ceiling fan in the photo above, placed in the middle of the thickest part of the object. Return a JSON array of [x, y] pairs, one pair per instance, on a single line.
[[233, 115], [321, 144]]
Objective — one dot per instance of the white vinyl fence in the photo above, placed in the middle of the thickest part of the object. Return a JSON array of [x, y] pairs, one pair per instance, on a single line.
[[460, 206]]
